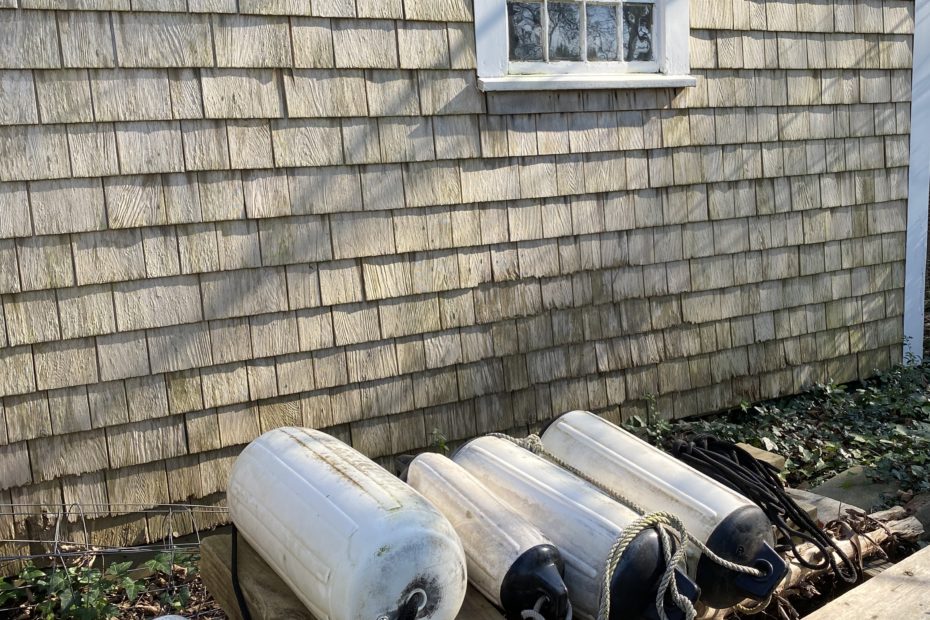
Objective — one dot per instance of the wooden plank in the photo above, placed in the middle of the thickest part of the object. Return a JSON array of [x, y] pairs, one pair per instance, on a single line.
[[776, 460], [827, 508], [267, 595], [476, 607], [902, 591]]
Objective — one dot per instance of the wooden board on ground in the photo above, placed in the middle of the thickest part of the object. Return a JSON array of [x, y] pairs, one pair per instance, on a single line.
[[476, 607], [268, 596], [827, 508], [902, 591], [265, 593], [775, 460]]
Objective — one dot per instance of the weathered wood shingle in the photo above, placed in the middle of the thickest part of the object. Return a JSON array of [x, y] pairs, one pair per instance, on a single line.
[[17, 98], [17, 221], [252, 41], [124, 95], [30, 40], [34, 152], [162, 40], [244, 292], [86, 39], [217, 218], [45, 262], [325, 93], [241, 93], [365, 44]]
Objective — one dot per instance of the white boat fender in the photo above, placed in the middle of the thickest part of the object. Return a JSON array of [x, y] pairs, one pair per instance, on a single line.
[[584, 524], [509, 560], [351, 540], [730, 525]]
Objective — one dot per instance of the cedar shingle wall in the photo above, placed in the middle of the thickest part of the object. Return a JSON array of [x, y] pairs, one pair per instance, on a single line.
[[213, 223]]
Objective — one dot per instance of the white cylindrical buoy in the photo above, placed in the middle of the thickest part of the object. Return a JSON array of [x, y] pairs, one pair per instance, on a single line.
[[509, 560], [351, 540], [582, 522], [729, 524]]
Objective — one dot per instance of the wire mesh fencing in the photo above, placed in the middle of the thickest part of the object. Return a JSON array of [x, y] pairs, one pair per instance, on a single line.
[[104, 560]]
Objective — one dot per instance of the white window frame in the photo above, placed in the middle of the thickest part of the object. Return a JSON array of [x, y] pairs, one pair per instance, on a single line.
[[669, 70]]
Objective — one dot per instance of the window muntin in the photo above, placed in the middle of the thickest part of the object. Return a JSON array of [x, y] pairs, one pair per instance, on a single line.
[[619, 44], [581, 36]]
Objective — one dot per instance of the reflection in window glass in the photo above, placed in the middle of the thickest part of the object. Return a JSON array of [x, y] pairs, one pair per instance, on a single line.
[[525, 30], [581, 30], [564, 31], [637, 32], [602, 32]]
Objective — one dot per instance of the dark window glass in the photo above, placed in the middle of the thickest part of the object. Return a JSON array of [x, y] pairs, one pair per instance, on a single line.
[[525, 25], [637, 32], [564, 31], [602, 32]]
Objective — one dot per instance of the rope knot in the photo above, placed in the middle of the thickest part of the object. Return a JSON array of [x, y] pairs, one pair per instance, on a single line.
[[663, 522]]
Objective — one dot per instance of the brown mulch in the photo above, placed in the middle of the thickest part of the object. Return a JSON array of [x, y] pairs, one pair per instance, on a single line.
[[151, 603], [148, 605]]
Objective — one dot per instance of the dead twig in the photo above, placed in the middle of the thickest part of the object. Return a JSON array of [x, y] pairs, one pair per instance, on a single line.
[[856, 540]]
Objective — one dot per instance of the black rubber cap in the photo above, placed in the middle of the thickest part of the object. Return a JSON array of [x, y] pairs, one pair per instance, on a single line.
[[686, 587], [744, 537], [636, 579], [536, 573]]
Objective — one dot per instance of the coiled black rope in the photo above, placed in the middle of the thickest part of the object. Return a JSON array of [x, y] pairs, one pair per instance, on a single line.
[[732, 466]]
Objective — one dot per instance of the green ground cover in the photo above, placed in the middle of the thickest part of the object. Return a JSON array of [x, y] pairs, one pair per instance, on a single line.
[[882, 424]]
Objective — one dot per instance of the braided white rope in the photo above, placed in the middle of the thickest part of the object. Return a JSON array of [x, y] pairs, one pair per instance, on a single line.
[[755, 609], [534, 614], [534, 444], [661, 521]]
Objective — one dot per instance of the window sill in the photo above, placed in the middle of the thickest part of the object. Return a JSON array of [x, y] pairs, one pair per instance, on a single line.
[[583, 82]]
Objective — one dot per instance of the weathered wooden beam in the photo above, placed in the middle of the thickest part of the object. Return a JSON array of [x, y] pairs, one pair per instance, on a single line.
[[268, 597], [868, 544], [902, 591], [827, 508], [775, 460], [865, 545]]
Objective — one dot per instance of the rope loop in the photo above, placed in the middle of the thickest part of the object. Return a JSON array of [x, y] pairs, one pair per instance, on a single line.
[[662, 522], [534, 613], [733, 467], [534, 444], [758, 608]]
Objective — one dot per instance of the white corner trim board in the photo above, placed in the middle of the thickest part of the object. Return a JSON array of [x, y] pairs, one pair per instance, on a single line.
[[918, 191]]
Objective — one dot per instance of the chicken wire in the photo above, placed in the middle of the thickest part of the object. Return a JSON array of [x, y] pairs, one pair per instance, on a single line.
[[59, 537]]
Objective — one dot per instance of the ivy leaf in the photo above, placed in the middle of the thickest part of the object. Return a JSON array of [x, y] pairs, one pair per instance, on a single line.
[[159, 565], [59, 582], [31, 573], [119, 569], [66, 599], [133, 588]]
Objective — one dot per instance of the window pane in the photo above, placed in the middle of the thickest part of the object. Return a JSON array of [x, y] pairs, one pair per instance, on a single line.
[[564, 31], [525, 30], [637, 32], [602, 32]]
